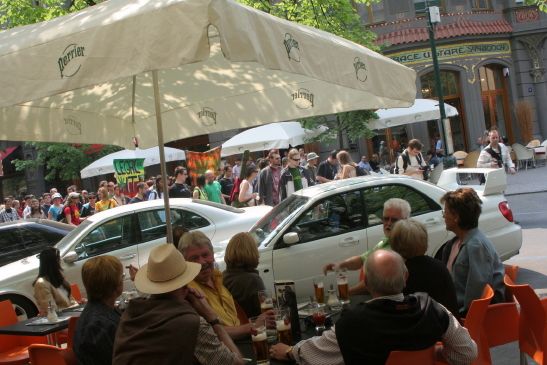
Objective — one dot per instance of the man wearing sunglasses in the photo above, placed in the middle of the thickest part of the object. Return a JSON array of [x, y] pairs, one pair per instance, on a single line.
[[395, 209], [294, 177]]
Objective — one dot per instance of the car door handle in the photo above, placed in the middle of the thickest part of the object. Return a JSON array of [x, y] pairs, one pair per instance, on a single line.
[[347, 242], [128, 257], [432, 221]]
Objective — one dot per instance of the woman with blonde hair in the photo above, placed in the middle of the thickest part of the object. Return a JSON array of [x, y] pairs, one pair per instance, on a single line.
[[425, 274], [105, 202], [347, 165], [241, 276]]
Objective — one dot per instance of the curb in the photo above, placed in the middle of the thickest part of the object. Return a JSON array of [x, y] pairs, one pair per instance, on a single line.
[[526, 192]]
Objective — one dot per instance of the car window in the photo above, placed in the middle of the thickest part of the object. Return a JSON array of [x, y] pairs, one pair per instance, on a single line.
[[331, 216], [376, 196], [112, 235], [38, 238], [152, 222], [10, 245]]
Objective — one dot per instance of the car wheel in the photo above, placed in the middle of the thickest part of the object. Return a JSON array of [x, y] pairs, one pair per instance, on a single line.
[[24, 308]]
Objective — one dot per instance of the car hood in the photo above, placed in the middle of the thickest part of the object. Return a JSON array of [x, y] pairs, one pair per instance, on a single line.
[[259, 211]]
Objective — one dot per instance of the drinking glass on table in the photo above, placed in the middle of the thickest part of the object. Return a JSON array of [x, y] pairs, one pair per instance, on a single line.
[[319, 289], [260, 339], [283, 326], [343, 288], [266, 300], [319, 318]]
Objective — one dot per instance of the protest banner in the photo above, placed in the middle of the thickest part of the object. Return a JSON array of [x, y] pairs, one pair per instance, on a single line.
[[128, 173], [199, 162]]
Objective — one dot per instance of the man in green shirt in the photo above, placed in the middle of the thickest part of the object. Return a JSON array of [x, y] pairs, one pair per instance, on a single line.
[[395, 209], [294, 177], [213, 188]]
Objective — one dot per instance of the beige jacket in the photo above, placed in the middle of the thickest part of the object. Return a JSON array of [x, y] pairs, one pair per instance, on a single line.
[[45, 292]]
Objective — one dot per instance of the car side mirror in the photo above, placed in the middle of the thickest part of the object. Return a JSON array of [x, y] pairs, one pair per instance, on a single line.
[[70, 257], [291, 238]]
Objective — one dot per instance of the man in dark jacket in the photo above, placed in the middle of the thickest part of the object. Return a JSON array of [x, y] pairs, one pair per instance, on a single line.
[[294, 177], [175, 325], [268, 180], [179, 189]]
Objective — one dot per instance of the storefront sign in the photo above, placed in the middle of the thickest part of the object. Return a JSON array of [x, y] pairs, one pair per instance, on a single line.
[[447, 52], [128, 174]]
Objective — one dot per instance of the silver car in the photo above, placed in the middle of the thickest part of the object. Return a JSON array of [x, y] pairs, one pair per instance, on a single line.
[[128, 232]]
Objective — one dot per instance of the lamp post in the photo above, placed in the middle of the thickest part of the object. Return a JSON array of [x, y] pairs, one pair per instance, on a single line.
[[433, 18]]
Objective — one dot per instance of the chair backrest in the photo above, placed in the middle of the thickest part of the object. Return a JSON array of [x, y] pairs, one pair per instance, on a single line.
[[7, 317], [474, 323], [459, 156], [46, 355], [420, 357], [75, 292], [511, 271], [544, 143], [72, 322], [501, 324], [522, 152], [533, 143], [533, 320], [471, 159]]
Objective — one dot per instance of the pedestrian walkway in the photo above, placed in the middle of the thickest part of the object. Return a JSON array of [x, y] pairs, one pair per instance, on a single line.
[[533, 180]]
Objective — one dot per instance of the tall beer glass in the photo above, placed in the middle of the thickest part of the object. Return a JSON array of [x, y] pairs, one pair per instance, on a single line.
[[343, 288], [266, 300], [319, 290], [260, 339], [283, 326]]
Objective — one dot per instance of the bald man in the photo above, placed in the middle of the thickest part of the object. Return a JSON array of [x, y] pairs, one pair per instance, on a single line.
[[390, 321]]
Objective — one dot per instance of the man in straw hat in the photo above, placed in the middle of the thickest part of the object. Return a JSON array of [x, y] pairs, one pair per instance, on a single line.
[[175, 325]]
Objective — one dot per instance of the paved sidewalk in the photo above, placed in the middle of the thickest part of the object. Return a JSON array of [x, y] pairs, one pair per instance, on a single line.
[[533, 180]]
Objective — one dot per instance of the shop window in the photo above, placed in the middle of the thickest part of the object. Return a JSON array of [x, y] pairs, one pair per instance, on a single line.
[[481, 4], [398, 6], [449, 84]]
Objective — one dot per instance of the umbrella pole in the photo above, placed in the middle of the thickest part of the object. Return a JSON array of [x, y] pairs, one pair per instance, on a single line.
[[162, 158]]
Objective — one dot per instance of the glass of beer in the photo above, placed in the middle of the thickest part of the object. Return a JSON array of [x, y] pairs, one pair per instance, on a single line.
[[260, 339], [283, 326], [266, 300], [319, 289], [319, 317], [343, 288]]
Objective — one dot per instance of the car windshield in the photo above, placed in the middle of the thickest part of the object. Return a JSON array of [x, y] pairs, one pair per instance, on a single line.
[[64, 245], [271, 222]]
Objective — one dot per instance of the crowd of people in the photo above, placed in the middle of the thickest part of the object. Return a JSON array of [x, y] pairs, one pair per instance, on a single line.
[[417, 301]]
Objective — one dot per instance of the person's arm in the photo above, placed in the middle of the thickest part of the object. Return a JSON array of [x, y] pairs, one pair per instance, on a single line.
[[321, 172], [457, 346], [68, 215], [352, 263], [484, 160], [49, 214], [508, 161], [399, 164], [318, 350], [243, 191]]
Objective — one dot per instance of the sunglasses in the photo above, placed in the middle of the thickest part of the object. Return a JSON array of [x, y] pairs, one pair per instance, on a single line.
[[295, 159]]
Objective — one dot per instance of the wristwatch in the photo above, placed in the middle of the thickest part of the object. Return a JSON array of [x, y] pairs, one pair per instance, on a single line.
[[288, 353], [214, 322]]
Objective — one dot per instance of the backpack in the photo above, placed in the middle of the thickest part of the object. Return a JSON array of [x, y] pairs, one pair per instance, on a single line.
[[360, 171], [406, 162], [234, 195]]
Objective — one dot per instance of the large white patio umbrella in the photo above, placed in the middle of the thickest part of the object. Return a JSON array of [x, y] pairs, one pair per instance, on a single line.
[[105, 165], [135, 71], [422, 110], [266, 137]]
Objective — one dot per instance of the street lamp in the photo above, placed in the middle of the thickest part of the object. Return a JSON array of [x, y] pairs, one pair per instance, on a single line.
[[433, 18]]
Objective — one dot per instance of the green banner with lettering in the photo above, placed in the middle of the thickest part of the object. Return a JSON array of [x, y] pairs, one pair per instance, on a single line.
[[128, 173]]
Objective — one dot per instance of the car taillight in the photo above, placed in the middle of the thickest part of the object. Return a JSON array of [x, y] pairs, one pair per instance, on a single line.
[[506, 211]]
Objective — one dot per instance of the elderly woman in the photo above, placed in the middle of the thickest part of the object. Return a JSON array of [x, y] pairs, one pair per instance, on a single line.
[[470, 256], [96, 329], [50, 287], [241, 277], [425, 274]]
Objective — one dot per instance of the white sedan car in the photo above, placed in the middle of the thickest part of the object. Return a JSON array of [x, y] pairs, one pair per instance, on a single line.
[[330, 222], [128, 232]]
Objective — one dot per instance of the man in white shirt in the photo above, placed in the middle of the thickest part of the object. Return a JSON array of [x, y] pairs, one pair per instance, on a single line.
[[496, 154], [411, 162]]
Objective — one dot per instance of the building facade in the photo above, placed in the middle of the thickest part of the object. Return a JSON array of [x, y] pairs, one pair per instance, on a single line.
[[492, 56]]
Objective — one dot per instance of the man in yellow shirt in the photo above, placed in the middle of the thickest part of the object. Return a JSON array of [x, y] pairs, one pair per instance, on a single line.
[[196, 247]]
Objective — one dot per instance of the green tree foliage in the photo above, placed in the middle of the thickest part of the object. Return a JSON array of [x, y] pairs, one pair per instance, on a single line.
[[541, 4], [14, 13], [62, 161], [341, 18]]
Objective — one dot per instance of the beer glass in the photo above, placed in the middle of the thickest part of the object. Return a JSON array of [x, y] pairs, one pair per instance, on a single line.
[[343, 288], [260, 339], [266, 300], [319, 290], [283, 326], [319, 317]]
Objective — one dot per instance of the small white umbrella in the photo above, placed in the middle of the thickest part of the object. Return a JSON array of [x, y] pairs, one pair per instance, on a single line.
[[266, 137], [422, 110], [105, 165]]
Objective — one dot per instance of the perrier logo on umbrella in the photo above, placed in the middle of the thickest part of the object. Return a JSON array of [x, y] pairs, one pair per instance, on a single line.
[[207, 116], [292, 47], [360, 69], [68, 66]]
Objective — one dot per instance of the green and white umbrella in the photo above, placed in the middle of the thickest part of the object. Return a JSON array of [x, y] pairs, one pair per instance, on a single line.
[[152, 71]]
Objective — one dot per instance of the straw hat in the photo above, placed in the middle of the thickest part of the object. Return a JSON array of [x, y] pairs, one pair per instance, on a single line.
[[312, 156], [166, 271]]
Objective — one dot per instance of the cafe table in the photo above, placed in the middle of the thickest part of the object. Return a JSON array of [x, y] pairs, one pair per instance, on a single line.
[[39, 326]]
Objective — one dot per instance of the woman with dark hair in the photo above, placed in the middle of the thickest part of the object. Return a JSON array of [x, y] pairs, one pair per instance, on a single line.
[[470, 256], [50, 287], [241, 277], [246, 195], [199, 190]]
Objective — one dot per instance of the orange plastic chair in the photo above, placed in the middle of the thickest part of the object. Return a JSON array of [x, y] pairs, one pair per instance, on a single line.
[[474, 324], [46, 355], [76, 293], [511, 271], [420, 357], [72, 322], [533, 321], [14, 349]]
